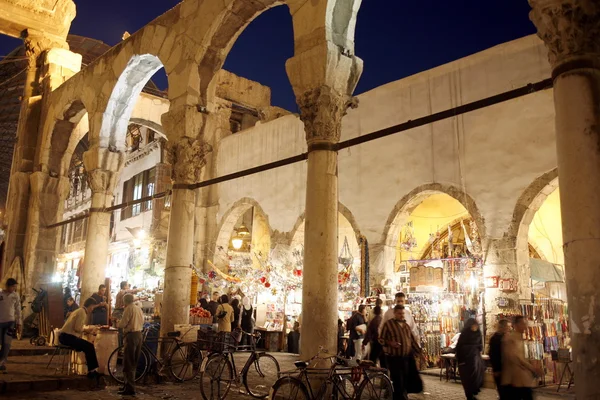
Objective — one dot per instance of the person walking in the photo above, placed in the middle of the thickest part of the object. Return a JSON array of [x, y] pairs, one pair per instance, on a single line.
[[496, 356], [518, 375], [100, 312], [400, 299], [213, 304], [358, 327], [372, 335], [132, 324], [70, 335], [400, 346], [468, 357], [10, 319], [224, 315]]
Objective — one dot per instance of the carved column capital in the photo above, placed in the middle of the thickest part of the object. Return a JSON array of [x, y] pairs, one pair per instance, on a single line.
[[188, 157], [569, 28], [37, 42], [321, 110]]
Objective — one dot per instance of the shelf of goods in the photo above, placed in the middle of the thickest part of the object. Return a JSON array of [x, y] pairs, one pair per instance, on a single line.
[[548, 331]]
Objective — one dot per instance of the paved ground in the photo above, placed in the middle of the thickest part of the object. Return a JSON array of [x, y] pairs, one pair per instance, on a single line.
[[29, 373], [434, 390]]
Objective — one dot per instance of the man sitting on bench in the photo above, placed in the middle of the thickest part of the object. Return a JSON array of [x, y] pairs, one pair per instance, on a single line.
[[70, 335]]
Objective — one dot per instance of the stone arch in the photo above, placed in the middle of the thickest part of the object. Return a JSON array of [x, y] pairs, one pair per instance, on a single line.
[[66, 131], [527, 205], [342, 209], [230, 219], [124, 94], [409, 202]]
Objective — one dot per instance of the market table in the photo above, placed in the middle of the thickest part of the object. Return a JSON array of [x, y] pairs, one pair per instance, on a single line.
[[451, 366], [272, 341]]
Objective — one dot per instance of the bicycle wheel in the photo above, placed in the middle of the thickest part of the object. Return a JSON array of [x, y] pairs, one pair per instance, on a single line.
[[344, 388], [185, 361], [216, 376], [288, 388], [115, 365], [376, 386], [260, 376]]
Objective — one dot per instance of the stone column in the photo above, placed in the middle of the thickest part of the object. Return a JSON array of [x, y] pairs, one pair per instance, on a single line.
[[500, 259], [571, 31], [25, 147], [323, 80], [187, 156], [103, 167]]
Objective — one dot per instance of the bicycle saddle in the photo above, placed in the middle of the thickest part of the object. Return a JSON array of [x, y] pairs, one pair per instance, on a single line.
[[301, 364]]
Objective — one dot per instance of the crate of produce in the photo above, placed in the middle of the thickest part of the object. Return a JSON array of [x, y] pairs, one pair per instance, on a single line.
[[200, 316], [187, 333]]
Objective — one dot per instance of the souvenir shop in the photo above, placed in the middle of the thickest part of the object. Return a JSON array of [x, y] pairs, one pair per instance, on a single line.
[[444, 287], [548, 330]]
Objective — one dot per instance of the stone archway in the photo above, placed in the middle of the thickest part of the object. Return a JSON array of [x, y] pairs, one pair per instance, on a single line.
[[385, 252], [230, 219], [527, 205]]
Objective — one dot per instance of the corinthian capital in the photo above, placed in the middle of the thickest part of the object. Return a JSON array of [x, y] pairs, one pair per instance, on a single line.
[[188, 157], [321, 110], [570, 28]]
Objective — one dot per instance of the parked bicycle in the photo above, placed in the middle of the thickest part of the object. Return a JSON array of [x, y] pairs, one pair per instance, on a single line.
[[218, 371], [340, 381], [182, 359]]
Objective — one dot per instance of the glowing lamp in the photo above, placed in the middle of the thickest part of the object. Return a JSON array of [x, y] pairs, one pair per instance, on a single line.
[[237, 242]]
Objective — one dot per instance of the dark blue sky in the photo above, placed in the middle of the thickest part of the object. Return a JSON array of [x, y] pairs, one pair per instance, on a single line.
[[395, 38]]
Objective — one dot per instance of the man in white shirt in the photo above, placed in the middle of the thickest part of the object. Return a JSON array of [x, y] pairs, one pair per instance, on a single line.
[[410, 321], [10, 319], [132, 324], [70, 335]]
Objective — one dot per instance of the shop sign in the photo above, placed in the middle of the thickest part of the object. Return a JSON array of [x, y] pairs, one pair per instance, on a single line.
[[426, 276], [491, 282], [508, 285]]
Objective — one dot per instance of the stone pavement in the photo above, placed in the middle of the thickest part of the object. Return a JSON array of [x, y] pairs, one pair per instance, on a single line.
[[29, 373]]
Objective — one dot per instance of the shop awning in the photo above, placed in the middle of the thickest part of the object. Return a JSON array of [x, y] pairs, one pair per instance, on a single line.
[[544, 271]]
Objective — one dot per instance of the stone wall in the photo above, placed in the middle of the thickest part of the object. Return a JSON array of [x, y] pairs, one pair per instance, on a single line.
[[485, 159]]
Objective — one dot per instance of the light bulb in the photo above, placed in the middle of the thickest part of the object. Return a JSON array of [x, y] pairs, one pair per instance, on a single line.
[[237, 243]]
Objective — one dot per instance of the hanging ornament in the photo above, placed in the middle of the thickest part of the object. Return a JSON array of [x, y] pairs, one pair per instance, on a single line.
[[274, 291], [263, 280], [202, 281], [268, 285], [409, 242], [212, 275]]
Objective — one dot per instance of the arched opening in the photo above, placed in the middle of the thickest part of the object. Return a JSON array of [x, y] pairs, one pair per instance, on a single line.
[[436, 259], [259, 54], [349, 260], [541, 258]]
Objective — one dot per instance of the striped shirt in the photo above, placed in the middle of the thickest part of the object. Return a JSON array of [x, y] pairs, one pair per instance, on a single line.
[[398, 332]]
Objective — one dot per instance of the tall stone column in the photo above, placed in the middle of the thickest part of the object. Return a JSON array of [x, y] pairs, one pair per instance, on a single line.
[[187, 156], [571, 31], [323, 80], [103, 167], [35, 44]]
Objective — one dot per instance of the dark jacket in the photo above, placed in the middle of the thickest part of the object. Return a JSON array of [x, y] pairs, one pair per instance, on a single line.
[[496, 351], [212, 307], [372, 334], [356, 320]]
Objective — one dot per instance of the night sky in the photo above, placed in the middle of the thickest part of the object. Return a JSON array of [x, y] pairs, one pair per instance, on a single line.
[[395, 38]]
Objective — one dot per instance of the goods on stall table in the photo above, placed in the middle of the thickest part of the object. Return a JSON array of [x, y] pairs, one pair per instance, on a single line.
[[200, 316]]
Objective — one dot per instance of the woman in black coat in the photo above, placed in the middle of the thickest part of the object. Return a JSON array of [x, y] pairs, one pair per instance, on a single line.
[[468, 357]]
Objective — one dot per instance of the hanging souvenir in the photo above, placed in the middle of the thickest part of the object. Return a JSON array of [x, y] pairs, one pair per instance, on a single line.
[[409, 242]]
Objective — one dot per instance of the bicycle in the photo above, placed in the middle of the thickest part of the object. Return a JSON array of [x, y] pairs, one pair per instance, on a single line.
[[218, 370], [183, 359], [341, 380]]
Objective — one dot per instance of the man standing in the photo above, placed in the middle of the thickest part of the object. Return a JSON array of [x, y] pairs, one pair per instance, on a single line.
[[10, 319], [100, 312], [213, 304], [357, 327], [132, 324], [517, 373], [400, 346], [496, 356], [70, 335], [400, 299]]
